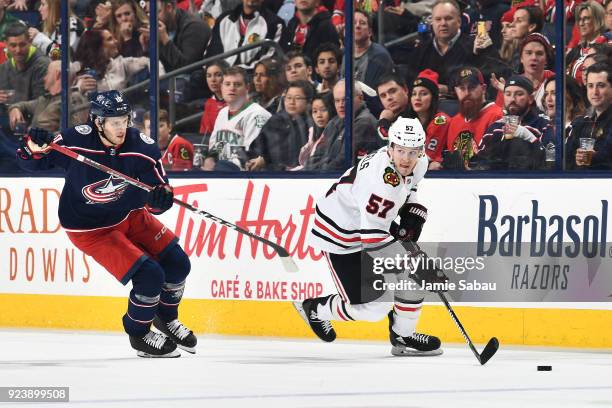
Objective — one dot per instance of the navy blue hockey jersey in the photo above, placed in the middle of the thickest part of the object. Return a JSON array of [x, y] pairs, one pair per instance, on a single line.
[[92, 199]]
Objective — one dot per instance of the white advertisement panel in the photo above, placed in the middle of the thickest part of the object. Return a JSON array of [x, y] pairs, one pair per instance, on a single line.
[[37, 257]]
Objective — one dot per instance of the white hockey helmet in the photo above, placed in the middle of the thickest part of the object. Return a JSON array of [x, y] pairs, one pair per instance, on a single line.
[[407, 132]]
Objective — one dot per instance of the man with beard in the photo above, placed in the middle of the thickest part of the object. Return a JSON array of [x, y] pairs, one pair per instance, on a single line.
[[475, 116], [507, 146], [182, 36], [327, 62], [246, 24]]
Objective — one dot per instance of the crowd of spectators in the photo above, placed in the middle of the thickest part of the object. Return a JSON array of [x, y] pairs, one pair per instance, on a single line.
[[480, 76]]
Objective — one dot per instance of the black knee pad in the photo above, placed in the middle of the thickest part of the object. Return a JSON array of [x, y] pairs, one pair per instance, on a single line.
[[176, 264], [148, 279]]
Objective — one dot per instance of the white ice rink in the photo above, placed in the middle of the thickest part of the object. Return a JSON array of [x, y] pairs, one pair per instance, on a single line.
[[102, 371]]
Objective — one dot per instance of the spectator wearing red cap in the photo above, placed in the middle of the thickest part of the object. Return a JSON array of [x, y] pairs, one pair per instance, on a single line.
[[536, 55], [508, 45], [475, 115], [424, 100]]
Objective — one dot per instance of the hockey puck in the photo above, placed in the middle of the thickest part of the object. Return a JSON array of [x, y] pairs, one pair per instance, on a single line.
[[544, 368]]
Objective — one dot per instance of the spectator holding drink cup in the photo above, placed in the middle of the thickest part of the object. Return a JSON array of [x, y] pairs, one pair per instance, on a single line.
[[589, 144]]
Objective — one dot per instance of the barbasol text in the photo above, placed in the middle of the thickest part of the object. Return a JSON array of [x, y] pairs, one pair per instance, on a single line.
[[549, 235]]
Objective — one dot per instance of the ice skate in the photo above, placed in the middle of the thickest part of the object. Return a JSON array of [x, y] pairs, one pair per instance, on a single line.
[[308, 310], [154, 345], [178, 332], [416, 345]]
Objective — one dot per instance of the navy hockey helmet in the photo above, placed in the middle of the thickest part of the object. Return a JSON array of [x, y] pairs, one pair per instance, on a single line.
[[109, 104]]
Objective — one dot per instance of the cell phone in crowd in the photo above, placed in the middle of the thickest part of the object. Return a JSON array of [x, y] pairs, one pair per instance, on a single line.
[[482, 28]]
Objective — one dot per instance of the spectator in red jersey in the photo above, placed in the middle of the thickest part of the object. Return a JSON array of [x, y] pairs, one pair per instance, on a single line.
[[310, 28], [424, 100], [212, 106], [475, 115], [176, 152]]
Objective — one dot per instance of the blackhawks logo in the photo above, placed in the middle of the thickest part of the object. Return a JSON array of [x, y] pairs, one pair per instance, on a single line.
[[391, 177], [439, 120], [466, 145]]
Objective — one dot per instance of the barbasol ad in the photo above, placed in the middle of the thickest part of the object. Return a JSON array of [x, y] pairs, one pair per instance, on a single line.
[[520, 240]]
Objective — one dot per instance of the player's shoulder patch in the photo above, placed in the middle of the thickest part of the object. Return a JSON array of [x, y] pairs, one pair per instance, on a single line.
[[83, 129], [391, 177], [440, 120], [146, 139]]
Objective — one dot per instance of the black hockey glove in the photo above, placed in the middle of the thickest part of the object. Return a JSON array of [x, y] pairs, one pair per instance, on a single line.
[[412, 218], [160, 198], [25, 150], [427, 271], [40, 136]]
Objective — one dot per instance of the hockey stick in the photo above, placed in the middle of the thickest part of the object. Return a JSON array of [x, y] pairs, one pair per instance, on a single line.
[[286, 259], [491, 347]]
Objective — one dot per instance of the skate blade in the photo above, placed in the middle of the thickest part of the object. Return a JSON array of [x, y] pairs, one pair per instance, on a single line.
[[300, 310], [408, 352], [172, 354], [191, 350]]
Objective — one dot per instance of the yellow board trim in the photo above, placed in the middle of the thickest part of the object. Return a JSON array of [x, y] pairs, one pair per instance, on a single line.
[[543, 327]]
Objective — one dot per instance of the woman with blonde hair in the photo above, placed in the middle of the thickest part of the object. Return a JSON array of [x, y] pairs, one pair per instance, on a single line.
[[48, 40], [591, 22], [126, 19]]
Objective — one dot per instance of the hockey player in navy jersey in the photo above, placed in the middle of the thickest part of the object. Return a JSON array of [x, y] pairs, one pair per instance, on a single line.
[[356, 217], [112, 221]]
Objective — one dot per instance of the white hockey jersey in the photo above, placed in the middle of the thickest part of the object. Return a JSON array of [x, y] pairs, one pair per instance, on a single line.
[[360, 207], [241, 128]]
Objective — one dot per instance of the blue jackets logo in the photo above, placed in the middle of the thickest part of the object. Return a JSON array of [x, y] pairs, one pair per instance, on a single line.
[[104, 191]]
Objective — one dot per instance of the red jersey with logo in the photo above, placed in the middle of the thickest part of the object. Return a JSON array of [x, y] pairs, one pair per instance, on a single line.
[[212, 106], [436, 134], [465, 135], [178, 154]]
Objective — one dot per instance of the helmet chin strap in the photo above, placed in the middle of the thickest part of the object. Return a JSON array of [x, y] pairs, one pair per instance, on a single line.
[[100, 127]]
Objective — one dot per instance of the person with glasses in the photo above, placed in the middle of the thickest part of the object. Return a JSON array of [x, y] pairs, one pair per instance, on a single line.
[[590, 19], [114, 222], [278, 145]]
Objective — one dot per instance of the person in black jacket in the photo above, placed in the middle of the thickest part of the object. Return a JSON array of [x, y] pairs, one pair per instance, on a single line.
[[278, 145], [310, 28], [246, 24], [597, 126], [189, 39], [449, 47]]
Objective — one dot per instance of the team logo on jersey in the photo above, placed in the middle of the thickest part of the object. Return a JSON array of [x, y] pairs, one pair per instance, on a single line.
[[466, 145], [146, 139], [439, 120], [260, 121], [391, 177], [184, 153], [104, 191], [253, 38], [83, 129]]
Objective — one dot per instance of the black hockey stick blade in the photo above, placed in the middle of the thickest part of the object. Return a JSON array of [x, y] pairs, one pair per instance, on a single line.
[[489, 350]]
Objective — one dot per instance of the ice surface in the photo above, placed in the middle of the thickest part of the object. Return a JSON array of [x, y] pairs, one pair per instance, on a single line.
[[103, 371]]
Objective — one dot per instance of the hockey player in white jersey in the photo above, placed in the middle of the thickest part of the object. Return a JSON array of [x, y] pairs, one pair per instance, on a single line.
[[358, 213]]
